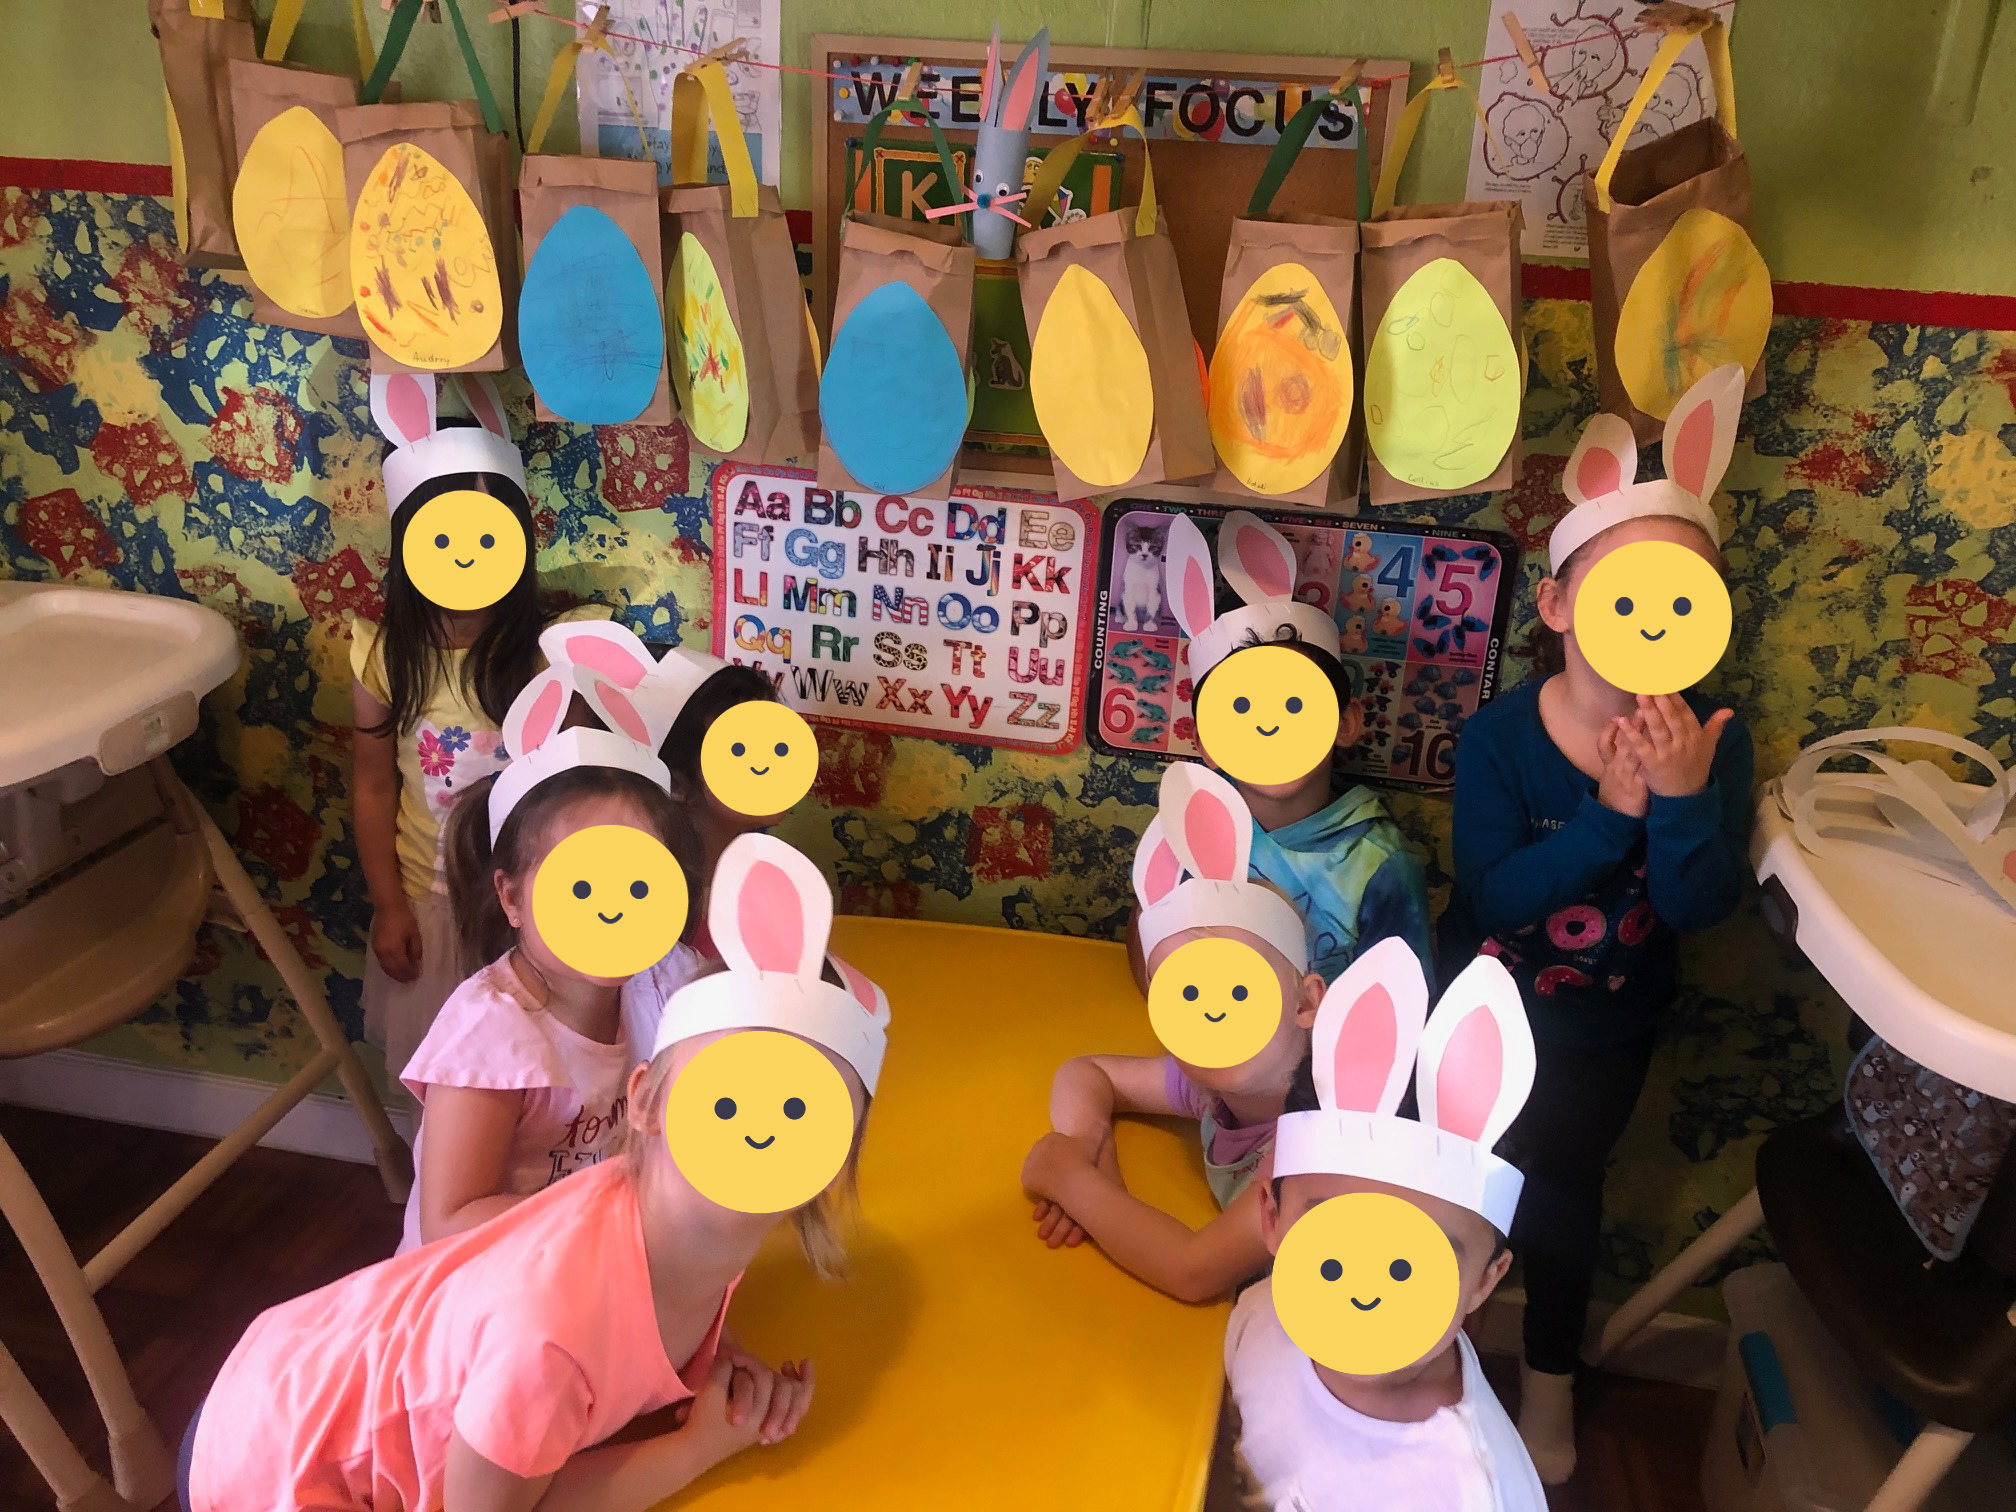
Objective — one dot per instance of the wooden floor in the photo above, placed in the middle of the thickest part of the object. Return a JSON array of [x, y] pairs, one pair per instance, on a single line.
[[277, 1225]]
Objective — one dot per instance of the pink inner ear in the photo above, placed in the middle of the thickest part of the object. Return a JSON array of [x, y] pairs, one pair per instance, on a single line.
[[1466, 1085], [770, 919], [1598, 473], [858, 986], [1021, 96], [544, 717], [1164, 869], [406, 403], [484, 409], [623, 713], [1263, 562], [1214, 843], [1366, 1046], [612, 663], [1692, 447], [1196, 593]]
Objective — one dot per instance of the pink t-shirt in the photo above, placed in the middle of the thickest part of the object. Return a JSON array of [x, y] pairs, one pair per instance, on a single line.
[[533, 1336], [492, 1033]]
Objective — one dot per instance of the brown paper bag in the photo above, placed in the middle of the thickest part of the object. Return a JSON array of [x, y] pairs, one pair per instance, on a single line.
[[740, 236], [1445, 370], [1096, 405], [195, 55], [1676, 286]]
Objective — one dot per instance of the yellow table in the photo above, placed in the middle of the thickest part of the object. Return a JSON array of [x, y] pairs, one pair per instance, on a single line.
[[963, 1364]]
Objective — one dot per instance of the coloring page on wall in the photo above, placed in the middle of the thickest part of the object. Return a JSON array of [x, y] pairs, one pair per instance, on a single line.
[[963, 619], [697, 25], [1421, 616], [1545, 143]]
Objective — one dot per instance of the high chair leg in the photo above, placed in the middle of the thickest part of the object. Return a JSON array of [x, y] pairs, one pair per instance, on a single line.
[[1681, 1272], [78, 1487], [1923, 1466]]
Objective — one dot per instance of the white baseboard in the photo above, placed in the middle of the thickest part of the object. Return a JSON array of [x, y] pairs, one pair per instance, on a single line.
[[1675, 1347], [187, 1102]]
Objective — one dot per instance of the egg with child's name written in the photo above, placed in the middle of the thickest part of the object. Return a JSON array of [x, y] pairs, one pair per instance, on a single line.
[[1090, 383], [894, 396], [588, 324], [422, 264]]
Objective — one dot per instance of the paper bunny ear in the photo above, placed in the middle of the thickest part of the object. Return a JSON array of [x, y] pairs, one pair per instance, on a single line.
[[1206, 822], [1604, 460], [990, 77], [1367, 1030], [609, 663], [874, 1002], [1256, 559], [1156, 869], [537, 713], [405, 406], [1032, 67], [1476, 1056], [479, 392], [1187, 576], [769, 909], [1701, 431]]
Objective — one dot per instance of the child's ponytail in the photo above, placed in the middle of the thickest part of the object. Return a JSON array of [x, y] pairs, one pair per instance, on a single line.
[[482, 933]]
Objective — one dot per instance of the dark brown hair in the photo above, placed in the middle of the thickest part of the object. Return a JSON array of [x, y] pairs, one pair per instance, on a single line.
[[1543, 645], [721, 692]]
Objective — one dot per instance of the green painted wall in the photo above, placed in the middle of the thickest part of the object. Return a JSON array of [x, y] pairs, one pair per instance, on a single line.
[[1854, 184]]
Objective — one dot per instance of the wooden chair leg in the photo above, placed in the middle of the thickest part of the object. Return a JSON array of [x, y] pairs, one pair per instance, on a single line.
[[78, 1487], [1681, 1272], [142, 1468], [1923, 1466]]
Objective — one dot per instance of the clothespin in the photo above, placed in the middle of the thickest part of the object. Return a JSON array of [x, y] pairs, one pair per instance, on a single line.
[[595, 34], [1347, 78], [734, 50], [1669, 16], [1445, 69], [1520, 44], [1107, 102], [511, 10]]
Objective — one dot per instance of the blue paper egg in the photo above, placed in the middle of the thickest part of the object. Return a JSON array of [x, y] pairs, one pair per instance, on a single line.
[[588, 322], [893, 397]]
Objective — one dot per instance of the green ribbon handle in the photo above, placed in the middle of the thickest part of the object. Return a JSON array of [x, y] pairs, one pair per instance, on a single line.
[[399, 31], [1295, 135], [872, 137]]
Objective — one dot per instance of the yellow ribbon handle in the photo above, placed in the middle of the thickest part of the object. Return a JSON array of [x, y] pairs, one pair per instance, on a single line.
[[689, 135], [1714, 37], [1050, 174], [287, 16], [564, 64], [1410, 121]]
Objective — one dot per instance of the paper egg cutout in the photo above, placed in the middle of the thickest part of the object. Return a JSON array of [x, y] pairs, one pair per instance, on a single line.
[[422, 265], [709, 371], [1702, 299], [893, 396], [1442, 381], [1281, 382], [1088, 378], [291, 218], [588, 323]]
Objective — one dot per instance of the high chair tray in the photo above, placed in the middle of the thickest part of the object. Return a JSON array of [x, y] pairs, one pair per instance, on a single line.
[[92, 674], [1925, 962]]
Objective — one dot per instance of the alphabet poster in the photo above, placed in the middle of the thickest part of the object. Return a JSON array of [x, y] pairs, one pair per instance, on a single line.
[[1422, 614], [965, 619]]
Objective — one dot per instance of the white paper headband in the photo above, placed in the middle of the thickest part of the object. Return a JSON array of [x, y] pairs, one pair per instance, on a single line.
[[539, 748], [1204, 830], [406, 407], [1259, 565], [631, 691]]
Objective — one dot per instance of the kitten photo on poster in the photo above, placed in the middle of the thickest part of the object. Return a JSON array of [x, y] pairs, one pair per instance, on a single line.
[[1141, 579]]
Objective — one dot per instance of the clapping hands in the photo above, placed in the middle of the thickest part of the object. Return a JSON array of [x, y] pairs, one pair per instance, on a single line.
[[1662, 749]]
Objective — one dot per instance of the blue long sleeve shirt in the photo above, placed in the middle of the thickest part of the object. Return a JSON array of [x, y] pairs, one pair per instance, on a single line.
[[1583, 904]]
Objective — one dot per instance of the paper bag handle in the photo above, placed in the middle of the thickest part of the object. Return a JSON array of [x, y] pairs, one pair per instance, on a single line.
[[287, 16], [399, 29], [701, 94], [1410, 122], [565, 64], [1050, 175], [872, 138], [1714, 37], [1295, 135]]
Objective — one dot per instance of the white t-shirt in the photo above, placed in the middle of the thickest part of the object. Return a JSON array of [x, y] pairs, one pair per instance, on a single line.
[[1308, 1452], [492, 1033], [645, 994]]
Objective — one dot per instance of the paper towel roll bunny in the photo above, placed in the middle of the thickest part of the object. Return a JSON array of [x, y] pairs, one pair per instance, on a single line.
[[1473, 1069], [407, 409], [539, 747], [1007, 113], [1259, 565], [631, 691], [1700, 436], [1190, 869]]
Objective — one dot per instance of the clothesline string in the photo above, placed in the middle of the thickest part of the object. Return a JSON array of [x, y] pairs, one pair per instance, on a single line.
[[820, 73]]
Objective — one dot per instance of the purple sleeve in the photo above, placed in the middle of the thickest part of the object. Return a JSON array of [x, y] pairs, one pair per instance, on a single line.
[[1184, 1095]]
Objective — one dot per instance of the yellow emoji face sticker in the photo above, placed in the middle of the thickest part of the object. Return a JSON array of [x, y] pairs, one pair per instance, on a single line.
[[1267, 714], [759, 1122], [1214, 1002], [464, 550], [1652, 617], [759, 758], [609, 900], [1366, 1283]]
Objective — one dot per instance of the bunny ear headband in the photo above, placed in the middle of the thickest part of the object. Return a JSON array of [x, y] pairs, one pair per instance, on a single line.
[[1475, 1069], [1700, 435], [632, 692], [406, 407], [1259, 565], [769, 911], [540, 749], [1204, 829]]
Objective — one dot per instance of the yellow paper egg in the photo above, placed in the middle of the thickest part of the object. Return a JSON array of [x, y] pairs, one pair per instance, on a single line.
[[1702, 300], [421, 264], [291, 218], [1442, 381], [709, 370], [1088, 378], [1281, 382]]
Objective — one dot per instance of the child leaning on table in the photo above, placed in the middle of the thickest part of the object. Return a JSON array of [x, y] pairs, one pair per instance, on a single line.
[[1230, 1072]]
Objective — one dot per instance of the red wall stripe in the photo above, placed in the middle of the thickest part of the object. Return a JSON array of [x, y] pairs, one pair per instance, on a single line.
[[85, 173]]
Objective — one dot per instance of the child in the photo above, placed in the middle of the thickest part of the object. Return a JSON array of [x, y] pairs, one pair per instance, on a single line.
[[1339, 857], [431, 687], [1592, 828], [487, 1370], [1203, 829], [1357, 1418], [521, 1079]]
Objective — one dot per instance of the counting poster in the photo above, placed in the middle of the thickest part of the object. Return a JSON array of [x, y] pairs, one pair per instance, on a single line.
[[1422, 614]]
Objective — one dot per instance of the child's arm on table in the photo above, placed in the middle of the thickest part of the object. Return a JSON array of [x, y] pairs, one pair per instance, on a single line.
[[463, 1156], [1085, 1094], [1697, 833], [374, 780]]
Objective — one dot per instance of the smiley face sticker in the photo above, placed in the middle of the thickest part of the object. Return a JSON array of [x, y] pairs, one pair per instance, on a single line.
[[1366, 1283], [464, 550], [759, 758], [1267, 714], [1214, 1002], [759, 1122], [609, 900], [1652, 617]]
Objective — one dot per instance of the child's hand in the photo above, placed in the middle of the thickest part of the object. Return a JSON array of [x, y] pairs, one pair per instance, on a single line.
[[790, 1395], [729, 1413], [1052, 1160], [1675, 750], [1622, 785], [395, 940], [1055, 1227]]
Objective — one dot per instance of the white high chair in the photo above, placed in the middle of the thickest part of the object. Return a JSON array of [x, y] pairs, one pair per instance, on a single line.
[[108, 867]]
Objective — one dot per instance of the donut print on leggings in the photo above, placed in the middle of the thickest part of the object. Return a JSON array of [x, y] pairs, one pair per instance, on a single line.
[[1578, 928]]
